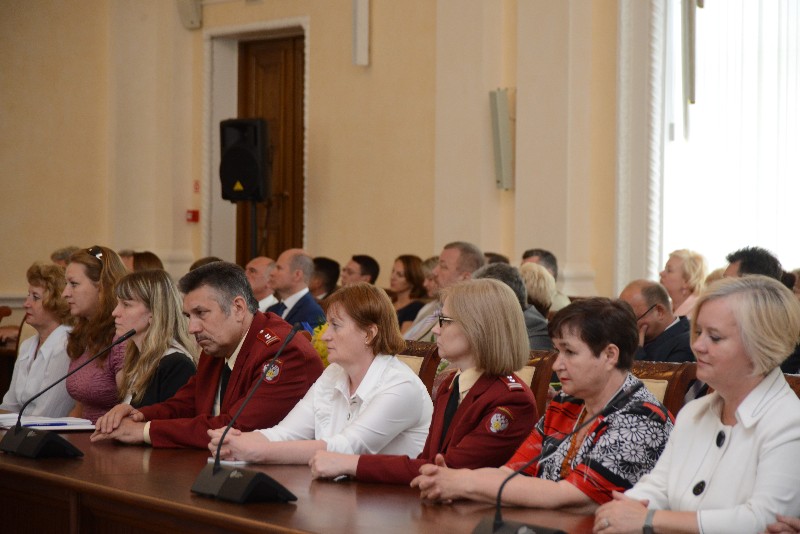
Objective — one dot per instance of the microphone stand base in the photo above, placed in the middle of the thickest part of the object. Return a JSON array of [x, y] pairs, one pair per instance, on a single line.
[[240, 486], [486, 526], [33, 443]]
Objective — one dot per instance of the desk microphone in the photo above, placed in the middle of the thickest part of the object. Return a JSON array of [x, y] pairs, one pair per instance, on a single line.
[[38, 443], [497, 525], [242, 485]]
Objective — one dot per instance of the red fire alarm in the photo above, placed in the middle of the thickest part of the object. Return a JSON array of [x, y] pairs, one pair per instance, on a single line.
[[193, 216]]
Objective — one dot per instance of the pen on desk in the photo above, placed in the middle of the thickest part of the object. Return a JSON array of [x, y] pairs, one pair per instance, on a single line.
[[46, 424]]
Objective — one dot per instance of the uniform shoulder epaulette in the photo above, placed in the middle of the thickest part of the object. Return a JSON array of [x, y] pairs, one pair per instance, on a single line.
[[511, 382], [267, 337]]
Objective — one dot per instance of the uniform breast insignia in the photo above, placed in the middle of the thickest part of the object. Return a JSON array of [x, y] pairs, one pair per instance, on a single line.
[[512, 382], [273, 373], [267, 337], [500, 420]]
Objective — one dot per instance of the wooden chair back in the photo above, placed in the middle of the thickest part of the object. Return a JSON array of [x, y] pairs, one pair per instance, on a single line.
[[423, 358], [667, 381], [537, 374]]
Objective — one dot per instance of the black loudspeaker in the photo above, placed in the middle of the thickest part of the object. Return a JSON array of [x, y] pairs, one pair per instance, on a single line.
[[240, 485], [37, 444], [244, 166]]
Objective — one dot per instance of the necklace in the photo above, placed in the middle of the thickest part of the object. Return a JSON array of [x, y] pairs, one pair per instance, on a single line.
[[566, 465]]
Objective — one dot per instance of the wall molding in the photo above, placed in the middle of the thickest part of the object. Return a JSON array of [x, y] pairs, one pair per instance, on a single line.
[[218, 219], [640, 118]]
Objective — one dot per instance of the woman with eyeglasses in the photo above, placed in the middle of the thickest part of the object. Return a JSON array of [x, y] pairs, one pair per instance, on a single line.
[[91, 275], [581, 465], [483, 411], [42, 358], [161, 356]]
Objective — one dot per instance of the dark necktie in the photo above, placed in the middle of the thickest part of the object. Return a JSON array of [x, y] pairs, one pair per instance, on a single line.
[[223, 382], [450, 409], [278, 309]]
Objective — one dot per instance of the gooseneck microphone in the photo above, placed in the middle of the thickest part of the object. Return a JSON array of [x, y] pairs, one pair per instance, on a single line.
[[549, 446], [37, 443], [242, 485]]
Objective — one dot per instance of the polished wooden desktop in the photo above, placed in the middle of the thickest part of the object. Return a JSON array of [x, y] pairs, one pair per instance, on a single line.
[[118, 488]]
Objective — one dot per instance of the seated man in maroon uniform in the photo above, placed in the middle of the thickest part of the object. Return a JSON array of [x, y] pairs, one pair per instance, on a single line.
[[237, 341]]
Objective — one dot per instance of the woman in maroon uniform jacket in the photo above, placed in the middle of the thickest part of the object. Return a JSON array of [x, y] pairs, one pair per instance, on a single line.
[[481, 332]]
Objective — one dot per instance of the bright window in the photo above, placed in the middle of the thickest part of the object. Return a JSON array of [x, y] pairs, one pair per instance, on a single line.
[[735, 180]]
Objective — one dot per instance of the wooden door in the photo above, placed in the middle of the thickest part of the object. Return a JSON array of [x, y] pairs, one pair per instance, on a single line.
[[271, 87]]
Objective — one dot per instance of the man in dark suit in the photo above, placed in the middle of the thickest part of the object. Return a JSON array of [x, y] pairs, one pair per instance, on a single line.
[[289, 279], [756, 260], [662, 336], [237, 341]]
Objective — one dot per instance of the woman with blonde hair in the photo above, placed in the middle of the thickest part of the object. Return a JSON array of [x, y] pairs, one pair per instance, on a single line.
[[482, 333], [161, 356], [683, 277], [42, 359], [91, 276], [366, 401], [731, 463], [540, 285]]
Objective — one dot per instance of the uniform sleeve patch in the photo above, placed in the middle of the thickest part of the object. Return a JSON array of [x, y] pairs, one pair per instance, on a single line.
[[511, 382], [499, 420], [267, 337], [272, 373]]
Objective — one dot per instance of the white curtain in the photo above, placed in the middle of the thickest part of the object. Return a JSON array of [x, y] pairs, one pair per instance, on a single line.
[[734, 180]]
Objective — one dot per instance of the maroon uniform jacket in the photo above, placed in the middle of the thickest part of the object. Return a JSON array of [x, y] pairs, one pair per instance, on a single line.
[[496, 415], [183, 420]]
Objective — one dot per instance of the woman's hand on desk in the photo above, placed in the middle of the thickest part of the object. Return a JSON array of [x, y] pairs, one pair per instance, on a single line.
[[623, 514], [238, 445], [128, 431], [113, 418], [437, 482], [326, 464]]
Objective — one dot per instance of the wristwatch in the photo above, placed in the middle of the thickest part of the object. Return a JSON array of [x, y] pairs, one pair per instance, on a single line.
[[648, 522]]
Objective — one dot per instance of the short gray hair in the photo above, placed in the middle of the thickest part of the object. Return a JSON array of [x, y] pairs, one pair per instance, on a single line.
[[303, 262], [470, 257], [228, 281], [507, 274]]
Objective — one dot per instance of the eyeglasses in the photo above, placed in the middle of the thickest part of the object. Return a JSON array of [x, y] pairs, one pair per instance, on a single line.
[[444, 319], [645, 313], [97, 252]]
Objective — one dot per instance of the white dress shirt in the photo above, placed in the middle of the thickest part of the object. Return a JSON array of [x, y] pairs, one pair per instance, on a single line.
[[389, 413], [34, 371], [747, 472], [266, 302], [291, 300]]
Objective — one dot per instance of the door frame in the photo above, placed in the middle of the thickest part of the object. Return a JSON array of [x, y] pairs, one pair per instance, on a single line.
[[220, 93]]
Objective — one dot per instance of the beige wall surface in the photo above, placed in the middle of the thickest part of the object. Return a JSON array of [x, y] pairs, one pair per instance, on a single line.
[[104, 109], [54, 151]]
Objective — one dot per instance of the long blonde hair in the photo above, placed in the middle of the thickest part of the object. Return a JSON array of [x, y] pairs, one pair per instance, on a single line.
[[168, 328]]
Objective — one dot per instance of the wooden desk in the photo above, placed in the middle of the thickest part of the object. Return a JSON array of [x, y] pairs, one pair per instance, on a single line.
[[117, 488]]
